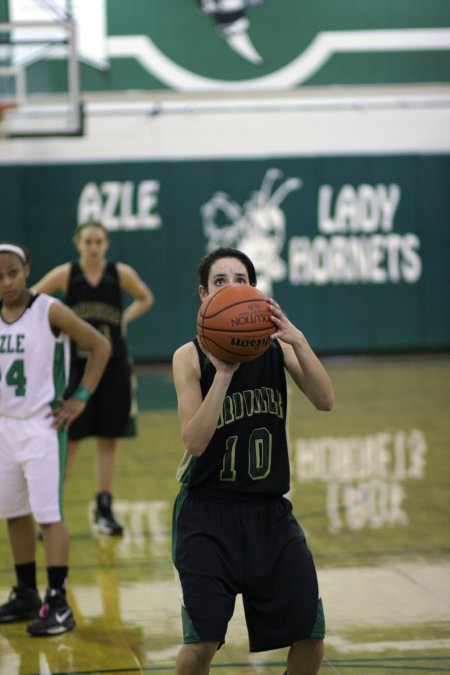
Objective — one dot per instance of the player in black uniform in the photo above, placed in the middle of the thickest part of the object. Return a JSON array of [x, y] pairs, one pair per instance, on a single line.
[[93, 288], [233, 530]]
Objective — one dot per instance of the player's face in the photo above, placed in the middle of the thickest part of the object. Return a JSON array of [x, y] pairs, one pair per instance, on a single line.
[[92, 244], [13, 278], [224, 272]]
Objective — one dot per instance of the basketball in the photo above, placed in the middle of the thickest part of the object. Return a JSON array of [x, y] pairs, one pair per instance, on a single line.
[[234, 323]]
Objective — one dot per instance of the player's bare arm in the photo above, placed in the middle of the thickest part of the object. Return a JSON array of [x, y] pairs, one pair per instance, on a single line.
[[131, 282], [54, 281], [303, 365], [63, 319], [198, 417]]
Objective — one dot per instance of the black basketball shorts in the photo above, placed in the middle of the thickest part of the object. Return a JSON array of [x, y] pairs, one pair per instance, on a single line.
[[221, 549], [107, 411]]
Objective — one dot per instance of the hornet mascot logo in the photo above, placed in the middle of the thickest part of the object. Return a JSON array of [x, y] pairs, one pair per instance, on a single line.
[[258, 228], [232, 25]]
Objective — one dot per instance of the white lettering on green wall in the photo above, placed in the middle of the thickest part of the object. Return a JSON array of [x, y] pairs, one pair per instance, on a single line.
[[376, 259], [365, 209], [121, 205], [356, 241]]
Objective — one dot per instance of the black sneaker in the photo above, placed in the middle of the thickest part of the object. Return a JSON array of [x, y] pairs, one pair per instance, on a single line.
[[105, 523], [55, 616], [23, 603]]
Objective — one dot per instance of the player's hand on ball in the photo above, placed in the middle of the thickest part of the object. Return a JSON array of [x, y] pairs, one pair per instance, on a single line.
[[219, 365], [286, 331]]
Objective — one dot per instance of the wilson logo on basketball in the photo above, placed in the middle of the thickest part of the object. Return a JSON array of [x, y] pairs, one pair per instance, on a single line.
[[256, 344]]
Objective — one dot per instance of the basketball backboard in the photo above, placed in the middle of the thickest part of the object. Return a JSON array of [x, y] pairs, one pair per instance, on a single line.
[[39, 80]]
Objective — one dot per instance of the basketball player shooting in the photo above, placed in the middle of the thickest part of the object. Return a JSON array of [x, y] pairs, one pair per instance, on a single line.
[[233, 529]]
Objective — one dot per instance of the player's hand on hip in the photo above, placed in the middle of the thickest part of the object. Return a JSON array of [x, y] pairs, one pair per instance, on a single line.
[[67, 412]]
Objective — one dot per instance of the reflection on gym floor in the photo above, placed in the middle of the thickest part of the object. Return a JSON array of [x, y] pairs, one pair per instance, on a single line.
[[370, 485]]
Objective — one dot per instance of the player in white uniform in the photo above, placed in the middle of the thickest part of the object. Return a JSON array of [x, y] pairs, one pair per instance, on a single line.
[[34, 365]]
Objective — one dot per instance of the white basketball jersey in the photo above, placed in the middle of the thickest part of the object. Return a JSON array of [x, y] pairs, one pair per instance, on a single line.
[[34, 363]]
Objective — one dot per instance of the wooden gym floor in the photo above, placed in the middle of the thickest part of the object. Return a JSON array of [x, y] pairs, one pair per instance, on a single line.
[[370, 485]]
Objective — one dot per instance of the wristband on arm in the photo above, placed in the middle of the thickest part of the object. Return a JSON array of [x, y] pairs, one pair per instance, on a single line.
[[82, 394]]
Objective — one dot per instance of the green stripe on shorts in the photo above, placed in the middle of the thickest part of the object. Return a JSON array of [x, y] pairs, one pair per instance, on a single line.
[[318, 630], [190, 635]]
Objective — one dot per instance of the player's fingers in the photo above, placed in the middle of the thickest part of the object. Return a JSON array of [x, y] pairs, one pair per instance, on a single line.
[[63, 417]]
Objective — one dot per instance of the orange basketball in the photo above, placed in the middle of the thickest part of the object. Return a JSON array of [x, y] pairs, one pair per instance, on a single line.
[[234, 323]]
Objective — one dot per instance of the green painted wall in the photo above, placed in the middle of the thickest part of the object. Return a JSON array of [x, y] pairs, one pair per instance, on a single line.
[[164, 44], [355, 249]]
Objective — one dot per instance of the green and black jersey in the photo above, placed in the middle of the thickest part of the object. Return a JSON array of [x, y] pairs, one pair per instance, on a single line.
[[247, 456], [99, 305]]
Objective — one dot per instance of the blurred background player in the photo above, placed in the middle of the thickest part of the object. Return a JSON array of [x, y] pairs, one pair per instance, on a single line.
[[34, 364], [92, 287]]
